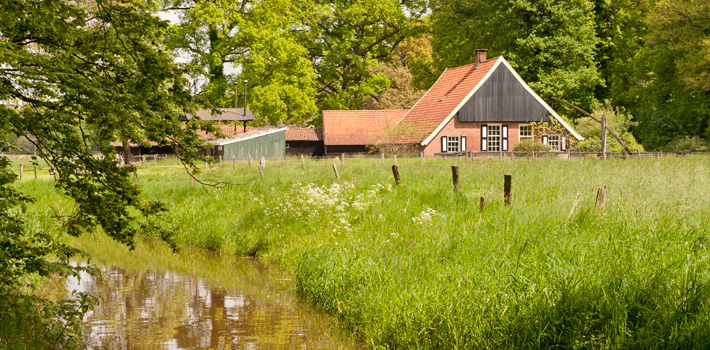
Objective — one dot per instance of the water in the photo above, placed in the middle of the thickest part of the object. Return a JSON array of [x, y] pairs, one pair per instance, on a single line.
[[154, 299]]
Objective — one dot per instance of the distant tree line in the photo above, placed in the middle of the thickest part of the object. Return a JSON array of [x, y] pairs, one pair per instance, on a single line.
[[647, 57]]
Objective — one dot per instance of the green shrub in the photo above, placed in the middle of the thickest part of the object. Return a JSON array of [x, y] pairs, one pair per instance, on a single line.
[[694, 143], [531, 145]]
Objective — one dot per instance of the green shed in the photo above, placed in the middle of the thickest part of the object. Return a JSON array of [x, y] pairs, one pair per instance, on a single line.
[[268, 143]]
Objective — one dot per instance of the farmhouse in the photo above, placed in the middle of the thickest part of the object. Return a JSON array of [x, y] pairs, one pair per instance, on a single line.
[[483, 106], [357, 131]]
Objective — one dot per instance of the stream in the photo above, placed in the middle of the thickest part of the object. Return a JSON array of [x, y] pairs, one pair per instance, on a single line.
[[196, 299]]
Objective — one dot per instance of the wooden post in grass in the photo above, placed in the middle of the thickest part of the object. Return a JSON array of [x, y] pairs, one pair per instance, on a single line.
[[421, 156], [263, 162], [507, 183], [335, 169], [207, 165], [234, 162], [575, 205], [250, 160], [22, 168], [601, 198], [383, 158], [455, 174], [135, 175], [142, 160], [261, 171], [395, 159], [303, 162], [533, 156], [35, 172], [395, 172], [604, 136], [639, 155], [155, 160], [342, 159], [482, 203], [166, 160], [220, 161], [547, 155]]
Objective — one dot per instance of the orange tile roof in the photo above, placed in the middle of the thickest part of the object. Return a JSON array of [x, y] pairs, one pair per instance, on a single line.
[[432, 109], [358, 127], [304, 134]]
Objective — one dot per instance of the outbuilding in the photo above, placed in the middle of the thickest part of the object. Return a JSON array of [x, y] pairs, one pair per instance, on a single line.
[[267, 143]]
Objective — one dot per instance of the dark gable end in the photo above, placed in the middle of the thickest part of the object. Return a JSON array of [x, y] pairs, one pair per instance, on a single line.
[[502, 98]]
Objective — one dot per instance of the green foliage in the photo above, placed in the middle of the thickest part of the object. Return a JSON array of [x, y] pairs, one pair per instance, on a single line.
[[346, 39], [256, 38], [550, 43], [531, 145], [617, 120], [73, 77], [694, 143]]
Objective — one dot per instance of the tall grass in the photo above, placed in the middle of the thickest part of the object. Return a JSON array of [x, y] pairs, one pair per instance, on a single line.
[[420, 266]]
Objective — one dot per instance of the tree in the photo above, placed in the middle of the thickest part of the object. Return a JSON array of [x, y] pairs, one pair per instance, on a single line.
[[346, 39], [551, 43], [618, 120], [73, 76], [257, 39]]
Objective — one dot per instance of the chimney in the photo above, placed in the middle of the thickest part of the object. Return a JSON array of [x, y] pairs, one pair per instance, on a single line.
[[480, 56]]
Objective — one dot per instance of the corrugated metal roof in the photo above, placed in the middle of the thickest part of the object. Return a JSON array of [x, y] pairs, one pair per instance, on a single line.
[[246, 136]]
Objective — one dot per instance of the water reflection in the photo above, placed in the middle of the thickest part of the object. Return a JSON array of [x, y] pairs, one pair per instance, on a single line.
[[151, 307]]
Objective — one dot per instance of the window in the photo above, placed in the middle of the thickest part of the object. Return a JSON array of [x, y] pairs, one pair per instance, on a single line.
[[493, 138], [554, 142], [525, 131], [452, 144]]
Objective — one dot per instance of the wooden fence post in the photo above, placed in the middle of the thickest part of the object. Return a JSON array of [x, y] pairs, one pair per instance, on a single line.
[[639, 155], [604, 136], [166, 160], [155, 160], [395, 172], [135, 175], [303, 162], [261, 171], [547, 155], [421, 156], [482, 203], [207, 165], [395, 159], [35, 172], [383, 158], [142, 160], [220, 161], [455, 174], [234, 162], [507, 183], [263, 162], [22, 166], [335, 169], [342, 159], [601, 198]]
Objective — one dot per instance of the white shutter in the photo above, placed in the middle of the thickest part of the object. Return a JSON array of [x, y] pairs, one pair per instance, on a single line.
[[544, 140], [505, 138], [443, 144], [484, 137], [463, 144], [564, 144]]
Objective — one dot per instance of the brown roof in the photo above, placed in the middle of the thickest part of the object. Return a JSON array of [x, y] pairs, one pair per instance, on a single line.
[[221, 114], [435, 106], [360, 127], [304, 134]]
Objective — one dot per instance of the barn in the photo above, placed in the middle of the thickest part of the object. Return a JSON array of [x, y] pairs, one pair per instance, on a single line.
[[480, 107], [268, 143]]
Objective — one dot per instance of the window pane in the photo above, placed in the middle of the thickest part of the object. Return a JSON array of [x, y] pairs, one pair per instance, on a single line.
[[452, 144], [493, 138]]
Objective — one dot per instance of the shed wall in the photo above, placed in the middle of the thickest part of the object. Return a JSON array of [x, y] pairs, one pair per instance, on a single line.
[[272, 146]]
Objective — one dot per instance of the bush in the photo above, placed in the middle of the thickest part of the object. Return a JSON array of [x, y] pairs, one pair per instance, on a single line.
[[531, 145], [694, 143]]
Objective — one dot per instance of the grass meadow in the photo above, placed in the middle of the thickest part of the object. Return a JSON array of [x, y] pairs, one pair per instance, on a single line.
[[420, 266]]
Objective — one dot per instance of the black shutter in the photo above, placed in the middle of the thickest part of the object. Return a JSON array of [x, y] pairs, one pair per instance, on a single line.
[[463, 144], [504, 136], [484, 138], [443, 144]]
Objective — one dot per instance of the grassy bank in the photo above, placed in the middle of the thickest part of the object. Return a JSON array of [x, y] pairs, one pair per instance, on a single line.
[[419, 266]]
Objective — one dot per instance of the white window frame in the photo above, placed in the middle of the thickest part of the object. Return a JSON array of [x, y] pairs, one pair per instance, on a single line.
[[554, 142], [453, 144], [494, 138], [520, 132]]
